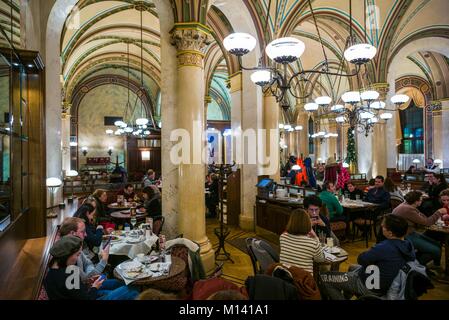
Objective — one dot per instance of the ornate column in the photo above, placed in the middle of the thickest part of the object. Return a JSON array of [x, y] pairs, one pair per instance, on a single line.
[[445, 133], [271, 149], [65, 143], [440, 139], [190, 40], [379, 154], [303, 135]]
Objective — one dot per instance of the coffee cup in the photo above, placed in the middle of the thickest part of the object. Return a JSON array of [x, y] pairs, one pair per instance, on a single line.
[[140, 257]]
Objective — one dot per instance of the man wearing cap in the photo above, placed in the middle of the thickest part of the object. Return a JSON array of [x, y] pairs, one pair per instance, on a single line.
[[63, 279], [75, 227]]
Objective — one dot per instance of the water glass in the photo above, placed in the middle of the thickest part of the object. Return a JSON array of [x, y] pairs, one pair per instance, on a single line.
[[133, 221], [357, 197]]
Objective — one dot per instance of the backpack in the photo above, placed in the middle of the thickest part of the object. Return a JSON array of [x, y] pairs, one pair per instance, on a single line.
[[410, 283]]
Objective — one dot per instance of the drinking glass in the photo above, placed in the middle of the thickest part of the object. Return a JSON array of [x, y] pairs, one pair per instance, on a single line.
[[133, 221], [357, 197]]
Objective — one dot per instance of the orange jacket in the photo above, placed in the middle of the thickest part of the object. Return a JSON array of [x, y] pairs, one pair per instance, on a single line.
[[302, 175]]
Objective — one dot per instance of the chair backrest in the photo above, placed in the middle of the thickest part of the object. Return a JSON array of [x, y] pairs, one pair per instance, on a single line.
[[394, 203], [261, 253], [158, 223]]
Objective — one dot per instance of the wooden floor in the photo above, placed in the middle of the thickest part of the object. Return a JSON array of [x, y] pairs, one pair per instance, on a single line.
[[238, 271]]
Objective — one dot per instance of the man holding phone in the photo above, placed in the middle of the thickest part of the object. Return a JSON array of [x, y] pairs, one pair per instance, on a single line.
[[89, 271], [320, 223]]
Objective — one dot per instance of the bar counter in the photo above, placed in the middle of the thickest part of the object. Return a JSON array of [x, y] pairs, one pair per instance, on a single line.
[[272, 216]]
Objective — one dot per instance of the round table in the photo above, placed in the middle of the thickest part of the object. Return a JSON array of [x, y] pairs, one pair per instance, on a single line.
[[165, 282], [127, 215], [335, 264], [128, 205]]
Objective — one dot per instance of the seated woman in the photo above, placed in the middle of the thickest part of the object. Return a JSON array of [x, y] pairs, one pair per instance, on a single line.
[[299, 243], [94, 231], [411, 170], [152, 201], [103, 213], [428, 249], [63, 271], [395, 193]]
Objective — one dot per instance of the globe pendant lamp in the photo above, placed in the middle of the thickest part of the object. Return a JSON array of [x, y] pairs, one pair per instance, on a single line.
[[351, 97], [399, 99], [239, 43], [360, 54], [285, 50], [323, 100], [261, 77]]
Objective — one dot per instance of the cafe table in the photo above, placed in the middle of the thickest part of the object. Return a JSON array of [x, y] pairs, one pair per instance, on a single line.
[[175, 280], [126, 215], [444, 231], [335, 263], [122, 206], [126, 246]]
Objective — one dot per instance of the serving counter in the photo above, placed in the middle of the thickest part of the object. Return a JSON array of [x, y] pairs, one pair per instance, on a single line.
[[272, 216]]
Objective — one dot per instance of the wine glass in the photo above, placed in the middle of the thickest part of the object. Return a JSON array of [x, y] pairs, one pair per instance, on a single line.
[[133, 221]]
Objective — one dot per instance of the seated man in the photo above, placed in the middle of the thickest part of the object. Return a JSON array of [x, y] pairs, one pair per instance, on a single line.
[[354, 191], [331, 202], [389, 257], [76, 227], [378, 194], [428, 248], [127, 192], [320, 223]]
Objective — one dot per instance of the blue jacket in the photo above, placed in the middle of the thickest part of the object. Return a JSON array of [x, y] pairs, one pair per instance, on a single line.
[[94, 236], [389, 256], [379, 196]]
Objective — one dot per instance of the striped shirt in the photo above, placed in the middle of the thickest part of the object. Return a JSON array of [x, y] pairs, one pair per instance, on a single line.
[[300, 251]]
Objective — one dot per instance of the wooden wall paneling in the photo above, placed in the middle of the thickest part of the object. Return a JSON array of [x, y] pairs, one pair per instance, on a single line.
[[37, 155], [233, 198]]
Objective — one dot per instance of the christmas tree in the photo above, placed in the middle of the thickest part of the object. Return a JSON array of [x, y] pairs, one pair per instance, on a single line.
[[351, 157]]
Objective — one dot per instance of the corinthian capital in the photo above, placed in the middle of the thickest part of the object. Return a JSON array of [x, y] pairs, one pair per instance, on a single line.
[[190, 37]]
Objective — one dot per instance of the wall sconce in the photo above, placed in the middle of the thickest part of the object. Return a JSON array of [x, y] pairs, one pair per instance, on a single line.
[[71, 174], [110, 150], [84, 150], [52, 185], [145, 155]]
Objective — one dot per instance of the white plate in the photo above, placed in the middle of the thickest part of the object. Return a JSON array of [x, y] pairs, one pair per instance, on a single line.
[[134, 240], [131, 266], [137, 275]]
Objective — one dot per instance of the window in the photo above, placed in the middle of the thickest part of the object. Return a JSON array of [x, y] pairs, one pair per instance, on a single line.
[[109, 121], [412, 130], [311, 129]]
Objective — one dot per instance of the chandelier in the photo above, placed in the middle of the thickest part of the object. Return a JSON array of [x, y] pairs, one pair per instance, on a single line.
[[362, 109], [141, 127]]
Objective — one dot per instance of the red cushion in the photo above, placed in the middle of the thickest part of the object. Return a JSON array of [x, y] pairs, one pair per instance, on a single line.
[[203, 289]]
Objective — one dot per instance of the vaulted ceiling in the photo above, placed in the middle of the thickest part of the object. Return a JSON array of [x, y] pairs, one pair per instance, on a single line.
[[98, 33]]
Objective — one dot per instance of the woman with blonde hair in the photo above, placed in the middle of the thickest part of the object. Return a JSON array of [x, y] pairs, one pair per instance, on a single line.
[[300, 245]]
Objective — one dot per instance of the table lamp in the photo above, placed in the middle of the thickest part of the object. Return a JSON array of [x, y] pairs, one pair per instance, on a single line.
[[71, 174], [53, 184], [416, 162], [438, 162]]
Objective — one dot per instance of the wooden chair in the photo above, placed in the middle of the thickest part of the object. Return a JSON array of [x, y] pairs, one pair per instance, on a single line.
[[158, 223], [394, 203], [366, 223]]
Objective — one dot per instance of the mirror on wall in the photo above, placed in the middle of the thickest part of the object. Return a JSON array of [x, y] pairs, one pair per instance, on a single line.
[[5, 144]]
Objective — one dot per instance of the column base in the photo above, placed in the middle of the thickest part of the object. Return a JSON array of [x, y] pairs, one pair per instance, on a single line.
[[207, 255], [246, 223]]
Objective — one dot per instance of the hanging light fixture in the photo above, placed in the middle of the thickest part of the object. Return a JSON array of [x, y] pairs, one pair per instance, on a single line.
[[142, 124], [285, 51]]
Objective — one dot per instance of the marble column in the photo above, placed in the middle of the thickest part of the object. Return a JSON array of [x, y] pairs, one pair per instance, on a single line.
[[379, 155], [303, 135], [271, 145], [65, 137], [169, 115], [441, 133], [190, 41], [390, 128]]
